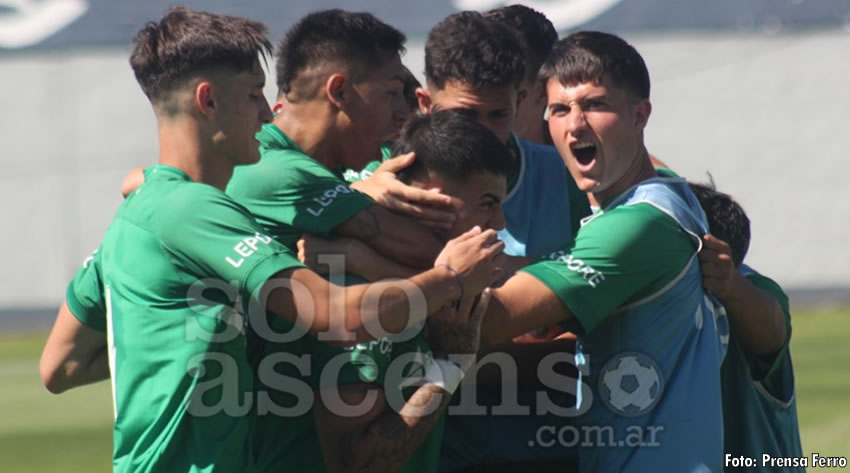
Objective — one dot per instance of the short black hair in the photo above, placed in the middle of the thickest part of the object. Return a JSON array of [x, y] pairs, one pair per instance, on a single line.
[[335, 35], [452, 146], [538, 34], [588, 56], [409, 91], [467, 47], [726, 219], [186, 42]]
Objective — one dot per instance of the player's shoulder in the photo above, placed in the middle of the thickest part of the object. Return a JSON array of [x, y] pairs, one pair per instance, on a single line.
[[632, 219], [765, 283], [187, 202]]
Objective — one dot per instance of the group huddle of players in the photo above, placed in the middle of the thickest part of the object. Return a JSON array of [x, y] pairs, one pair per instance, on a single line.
[[304, 287]]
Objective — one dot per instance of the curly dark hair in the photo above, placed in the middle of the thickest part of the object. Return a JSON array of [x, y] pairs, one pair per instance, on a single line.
[[469, 48], [536, 31]]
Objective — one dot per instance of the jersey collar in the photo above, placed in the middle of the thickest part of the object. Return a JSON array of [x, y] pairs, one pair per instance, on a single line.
[[272, 137], [164, 171]]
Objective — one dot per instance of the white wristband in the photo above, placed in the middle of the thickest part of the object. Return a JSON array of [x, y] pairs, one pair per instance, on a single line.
[[444, 374]]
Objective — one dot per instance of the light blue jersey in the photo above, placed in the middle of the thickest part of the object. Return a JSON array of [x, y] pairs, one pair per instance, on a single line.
[[653, 366], [544, 206]]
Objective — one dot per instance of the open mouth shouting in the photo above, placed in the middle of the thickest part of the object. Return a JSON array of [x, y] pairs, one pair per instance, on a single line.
[[585, 154]]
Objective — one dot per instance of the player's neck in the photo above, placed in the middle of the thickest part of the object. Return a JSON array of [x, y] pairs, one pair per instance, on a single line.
[[304, 125], [181, 146], [640, 170]]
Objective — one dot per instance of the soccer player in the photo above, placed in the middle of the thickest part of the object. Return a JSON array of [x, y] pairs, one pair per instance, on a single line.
[[340, 92], [165, 282], [538, 35], [478, 65], [629, 284], [759, 405], [469, 163]]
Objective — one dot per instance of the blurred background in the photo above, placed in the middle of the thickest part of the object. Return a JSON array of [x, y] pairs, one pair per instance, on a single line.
[[754, 92]]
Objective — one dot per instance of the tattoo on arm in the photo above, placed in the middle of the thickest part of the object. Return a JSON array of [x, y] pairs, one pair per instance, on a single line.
[[368, 226], [387, 443]]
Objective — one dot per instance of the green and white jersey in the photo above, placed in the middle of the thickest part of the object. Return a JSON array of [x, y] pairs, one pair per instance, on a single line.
[[352, 176], [395, 366], [759, 403], [290, 193], [166, 284]]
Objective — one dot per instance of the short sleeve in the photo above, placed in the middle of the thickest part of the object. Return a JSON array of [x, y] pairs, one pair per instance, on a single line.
[[209, 235], [85, 296], [617, 258], [295, 194]]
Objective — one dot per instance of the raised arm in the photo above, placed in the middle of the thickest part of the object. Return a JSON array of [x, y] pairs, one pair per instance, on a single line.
[[74, 354], [360, 258], [755, 316], [363, 312], [398, 237], [432, 209]]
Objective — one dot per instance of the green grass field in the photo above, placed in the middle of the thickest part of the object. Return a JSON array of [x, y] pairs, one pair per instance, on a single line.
[[40, 432]]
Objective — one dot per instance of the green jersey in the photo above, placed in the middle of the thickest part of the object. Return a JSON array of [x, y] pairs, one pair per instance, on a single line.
[[759, 404], [351, 175], [391, 366], [165, 285], [291, 193]]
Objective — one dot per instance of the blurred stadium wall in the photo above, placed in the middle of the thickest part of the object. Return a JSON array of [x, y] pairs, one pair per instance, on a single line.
[[753, 91]]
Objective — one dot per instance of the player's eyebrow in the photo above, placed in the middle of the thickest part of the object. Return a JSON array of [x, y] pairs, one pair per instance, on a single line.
[[492, 196]]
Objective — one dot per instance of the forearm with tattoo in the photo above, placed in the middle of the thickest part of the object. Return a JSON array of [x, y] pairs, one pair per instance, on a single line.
[[386, 443]]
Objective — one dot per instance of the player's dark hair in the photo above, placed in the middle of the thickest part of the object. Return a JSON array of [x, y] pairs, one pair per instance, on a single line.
[[451, 145], [186, 42], [537, 33], [468, 48], [335, 35], [726, 219], [588, 56], [409, 91]]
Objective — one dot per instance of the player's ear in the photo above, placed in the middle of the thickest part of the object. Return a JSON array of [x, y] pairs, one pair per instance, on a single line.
[[642, 111], [335, 90], [521, 95], [277, 106], [423, 97], [203, 99]]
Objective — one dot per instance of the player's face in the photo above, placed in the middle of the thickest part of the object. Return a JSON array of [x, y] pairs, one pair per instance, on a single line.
[[598, 130], [479, 202], [530, 111], [493, 107], [241, 110], [376, 106]]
